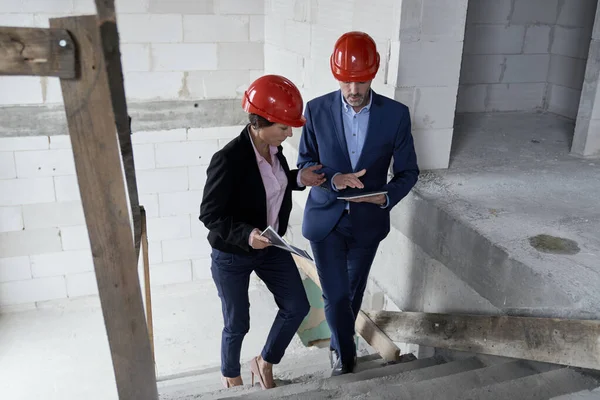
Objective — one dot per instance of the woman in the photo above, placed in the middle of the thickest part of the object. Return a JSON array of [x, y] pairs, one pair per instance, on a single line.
[[248, 188]]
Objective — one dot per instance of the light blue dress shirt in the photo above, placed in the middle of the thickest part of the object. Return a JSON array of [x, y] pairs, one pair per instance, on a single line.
[[355, 131], [355, 128]]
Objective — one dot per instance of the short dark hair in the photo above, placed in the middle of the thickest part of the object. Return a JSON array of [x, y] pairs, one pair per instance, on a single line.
[[258, 122]]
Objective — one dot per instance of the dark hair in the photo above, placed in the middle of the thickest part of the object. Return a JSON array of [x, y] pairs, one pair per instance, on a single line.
[[258, 122]]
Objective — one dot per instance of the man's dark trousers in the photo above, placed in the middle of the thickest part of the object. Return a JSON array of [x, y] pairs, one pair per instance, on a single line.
[[343, 266]]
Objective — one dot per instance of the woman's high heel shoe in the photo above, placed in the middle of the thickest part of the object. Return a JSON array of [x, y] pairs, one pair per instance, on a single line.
[[255, 371], [231, 382]]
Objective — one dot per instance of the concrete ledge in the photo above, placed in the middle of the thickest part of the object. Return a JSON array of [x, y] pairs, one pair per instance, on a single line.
[[483, 265], [157, 115]]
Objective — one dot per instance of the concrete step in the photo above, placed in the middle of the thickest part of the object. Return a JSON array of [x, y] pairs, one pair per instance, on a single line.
[[583, 395], [542, 386], [324, 385], [313, 366], [452, 387], [351, 388], [290, 371]]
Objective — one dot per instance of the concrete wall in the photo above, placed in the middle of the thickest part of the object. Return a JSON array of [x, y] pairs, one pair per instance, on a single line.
[[524, 55], [569, 53], [44, 247], [186, 65], [586, 141], [414, 38], [199, 49]]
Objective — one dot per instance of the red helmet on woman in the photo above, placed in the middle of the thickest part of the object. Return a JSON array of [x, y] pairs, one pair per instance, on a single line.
[[355, 58], [275, 98]]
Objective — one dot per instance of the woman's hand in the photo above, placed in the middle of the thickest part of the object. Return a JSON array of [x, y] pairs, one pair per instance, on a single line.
[[258, 242], [308, 177]]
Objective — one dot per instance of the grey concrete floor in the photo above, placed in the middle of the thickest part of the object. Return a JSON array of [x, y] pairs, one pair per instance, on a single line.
[[511, 177], [60, 350]]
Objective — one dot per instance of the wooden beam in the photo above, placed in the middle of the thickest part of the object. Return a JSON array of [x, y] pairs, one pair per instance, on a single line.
[[109, 38], [368, 330], [147, 287], [36, 51], [558, 341], [91, 124]]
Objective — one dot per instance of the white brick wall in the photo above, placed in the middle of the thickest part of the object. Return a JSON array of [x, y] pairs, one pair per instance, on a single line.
[[15, 269], [569, 48], [44, 246], [216, 28], [419, 41], [513, 46], [163, 42]]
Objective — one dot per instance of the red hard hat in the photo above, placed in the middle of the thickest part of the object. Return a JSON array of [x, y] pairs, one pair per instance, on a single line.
[[275, 98], [355, 58]]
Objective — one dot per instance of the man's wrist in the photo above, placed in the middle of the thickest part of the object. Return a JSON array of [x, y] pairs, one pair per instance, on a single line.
[[333, 186], [386, 202]]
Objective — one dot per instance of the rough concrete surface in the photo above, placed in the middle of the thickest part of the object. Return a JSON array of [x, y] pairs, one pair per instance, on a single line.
[[60, 351], [583, 395], [512, 178], [534, 387], [17, 121]]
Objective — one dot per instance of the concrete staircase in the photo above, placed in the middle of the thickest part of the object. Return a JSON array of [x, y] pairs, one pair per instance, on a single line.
[[439, 377]]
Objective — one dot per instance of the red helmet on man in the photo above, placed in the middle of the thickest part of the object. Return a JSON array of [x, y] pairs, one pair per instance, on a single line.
[[276, 99], [355, 58]]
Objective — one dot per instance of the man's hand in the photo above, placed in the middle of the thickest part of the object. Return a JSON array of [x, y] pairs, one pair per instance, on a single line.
[[378, 199], [258, 242], [343, 181], [308, 177]]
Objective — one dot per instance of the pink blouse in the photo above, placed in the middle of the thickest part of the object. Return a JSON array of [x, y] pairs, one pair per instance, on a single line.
[[275, 182]]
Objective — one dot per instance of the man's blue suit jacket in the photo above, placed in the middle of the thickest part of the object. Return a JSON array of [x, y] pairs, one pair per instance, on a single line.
[[323, 142]]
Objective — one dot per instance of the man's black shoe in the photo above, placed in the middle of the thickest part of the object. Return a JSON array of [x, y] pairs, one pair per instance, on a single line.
[[341, 368]]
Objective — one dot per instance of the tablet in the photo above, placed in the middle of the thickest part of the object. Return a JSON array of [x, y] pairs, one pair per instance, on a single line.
[[360, 195]]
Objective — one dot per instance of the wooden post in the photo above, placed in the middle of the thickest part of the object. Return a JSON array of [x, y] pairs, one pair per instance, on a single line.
[[368, 330], [91, 123], [109, 40], [558, 341], [147, 289]]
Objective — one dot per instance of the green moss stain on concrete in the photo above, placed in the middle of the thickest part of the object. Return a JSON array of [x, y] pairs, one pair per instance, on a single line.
[[314, 328], [553, 244]]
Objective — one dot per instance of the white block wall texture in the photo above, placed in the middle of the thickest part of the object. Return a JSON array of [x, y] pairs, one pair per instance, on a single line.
[[171, 49], [44, 246], [420, 43], [586, 141], [525, 55]]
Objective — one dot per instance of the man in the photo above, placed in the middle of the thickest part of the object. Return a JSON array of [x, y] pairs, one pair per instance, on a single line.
[[353, 133]]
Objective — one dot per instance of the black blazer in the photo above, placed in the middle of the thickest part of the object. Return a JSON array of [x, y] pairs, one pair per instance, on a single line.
[[234, 200]]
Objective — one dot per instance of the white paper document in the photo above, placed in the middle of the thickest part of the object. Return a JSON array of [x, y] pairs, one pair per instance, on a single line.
[[280, 242], [360, 195]]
